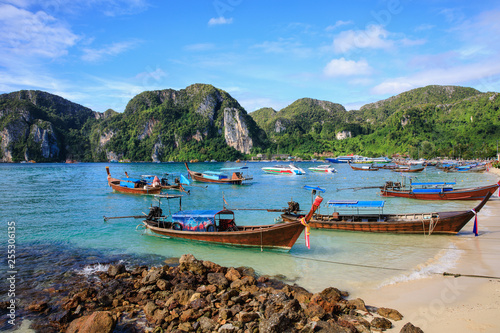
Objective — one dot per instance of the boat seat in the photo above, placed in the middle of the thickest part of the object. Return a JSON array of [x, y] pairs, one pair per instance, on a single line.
[[335, 216]]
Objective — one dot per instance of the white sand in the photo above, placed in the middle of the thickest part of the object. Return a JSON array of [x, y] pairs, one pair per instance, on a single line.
[[447, 304]]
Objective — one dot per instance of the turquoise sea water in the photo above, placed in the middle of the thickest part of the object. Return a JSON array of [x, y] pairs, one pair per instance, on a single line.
[[62, 206]]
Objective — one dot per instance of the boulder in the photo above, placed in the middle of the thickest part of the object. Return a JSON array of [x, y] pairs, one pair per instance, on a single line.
[[227, 328], [232, 274], [114, 270], [97, 322], [357, 304], [381, 323], [409, 328], [390, 313], [153, 275], [206, 324], [217, 279]]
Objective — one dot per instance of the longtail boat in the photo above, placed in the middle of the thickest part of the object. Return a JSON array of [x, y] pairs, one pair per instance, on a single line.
[[467, 168], [436, 191], [220, 177], [219, 226], [133, 185], [408, 169], [413, 223], [165, 183], [364, 167]]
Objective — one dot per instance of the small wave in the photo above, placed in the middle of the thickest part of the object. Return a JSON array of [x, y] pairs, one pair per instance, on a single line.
[[442, 262], [92, 269]]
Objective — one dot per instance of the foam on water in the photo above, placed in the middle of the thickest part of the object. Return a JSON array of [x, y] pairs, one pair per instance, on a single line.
[[92, 269], [442, 262]]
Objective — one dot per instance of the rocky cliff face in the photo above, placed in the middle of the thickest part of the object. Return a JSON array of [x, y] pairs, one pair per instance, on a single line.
[[28, 127], [236, 131], [15, 131], [221, 113], [43, 136]]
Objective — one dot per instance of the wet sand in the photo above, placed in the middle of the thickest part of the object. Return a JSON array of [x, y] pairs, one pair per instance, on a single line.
[[468, 303]]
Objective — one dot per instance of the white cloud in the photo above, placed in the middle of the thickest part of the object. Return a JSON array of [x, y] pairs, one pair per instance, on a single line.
[[33, 34], [285, 46], [373, 37], [456, 75], [93, 55], [220, 20], [337, 24], [343, 67], [199, 47], [109, 8]]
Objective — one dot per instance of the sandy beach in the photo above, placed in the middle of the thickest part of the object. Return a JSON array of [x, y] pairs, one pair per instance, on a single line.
[[469, 303]]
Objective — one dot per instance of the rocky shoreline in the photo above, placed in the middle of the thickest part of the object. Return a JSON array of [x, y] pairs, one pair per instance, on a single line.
[[199, 296]]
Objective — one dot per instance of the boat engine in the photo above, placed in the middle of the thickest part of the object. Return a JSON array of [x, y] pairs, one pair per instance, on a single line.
[[154, 213], [293, 206]]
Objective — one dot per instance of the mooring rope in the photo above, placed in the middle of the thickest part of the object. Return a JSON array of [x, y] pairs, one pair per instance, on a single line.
[[393, 268]]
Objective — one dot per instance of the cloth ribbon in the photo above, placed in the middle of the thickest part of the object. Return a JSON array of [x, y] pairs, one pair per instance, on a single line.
[[475, 222], [307, 231]]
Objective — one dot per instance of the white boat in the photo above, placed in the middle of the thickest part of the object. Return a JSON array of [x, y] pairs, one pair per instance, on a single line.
[[324, 168], [284, 170]]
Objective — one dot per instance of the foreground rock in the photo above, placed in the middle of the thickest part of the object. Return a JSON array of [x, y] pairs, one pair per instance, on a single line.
[[201, 296]]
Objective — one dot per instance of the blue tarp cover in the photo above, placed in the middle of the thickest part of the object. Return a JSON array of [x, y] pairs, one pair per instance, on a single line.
[[317, 188], [129, 182], [427, 190], [195, 220]]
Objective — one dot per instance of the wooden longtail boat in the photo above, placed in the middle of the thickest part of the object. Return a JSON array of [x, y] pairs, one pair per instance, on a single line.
[[436, 191], [408, 169], [236, 178], [364, 168], [425, 223], [131, 185], [218, 226], [178, 182]]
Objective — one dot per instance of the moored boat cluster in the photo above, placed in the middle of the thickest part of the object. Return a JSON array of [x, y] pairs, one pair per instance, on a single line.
[[201, 296]]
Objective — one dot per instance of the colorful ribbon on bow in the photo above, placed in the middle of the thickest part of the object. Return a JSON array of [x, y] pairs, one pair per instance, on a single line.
[[475, 222], [304, 220], [307, 231]]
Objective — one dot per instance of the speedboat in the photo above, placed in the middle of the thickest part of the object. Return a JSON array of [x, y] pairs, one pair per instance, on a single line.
[[284, 170], [324, 168]]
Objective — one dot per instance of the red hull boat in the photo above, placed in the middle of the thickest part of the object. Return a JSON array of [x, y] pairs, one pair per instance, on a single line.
[[414, 223], [437, 191]]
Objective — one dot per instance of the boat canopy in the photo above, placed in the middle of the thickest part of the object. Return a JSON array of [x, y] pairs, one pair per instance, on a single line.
[[357, 204], [199, 219], [315, 188], [130, 182]]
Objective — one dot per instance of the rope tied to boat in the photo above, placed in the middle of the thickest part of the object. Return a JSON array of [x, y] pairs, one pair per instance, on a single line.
[[475, 222]]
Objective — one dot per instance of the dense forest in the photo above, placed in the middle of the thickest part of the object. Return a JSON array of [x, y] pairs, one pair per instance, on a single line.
[[203, 122], [427, 122]]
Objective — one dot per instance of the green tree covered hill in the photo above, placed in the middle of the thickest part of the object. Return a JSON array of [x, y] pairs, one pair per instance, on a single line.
[[203, 122], [423, 122]]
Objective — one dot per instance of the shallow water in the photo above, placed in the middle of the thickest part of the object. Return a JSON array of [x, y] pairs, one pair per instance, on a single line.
[[60, 208]]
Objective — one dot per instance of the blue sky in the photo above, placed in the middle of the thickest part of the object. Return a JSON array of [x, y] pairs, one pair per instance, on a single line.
[[264, 53]]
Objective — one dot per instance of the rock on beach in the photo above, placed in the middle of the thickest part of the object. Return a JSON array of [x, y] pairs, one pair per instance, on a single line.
[[201, 296]]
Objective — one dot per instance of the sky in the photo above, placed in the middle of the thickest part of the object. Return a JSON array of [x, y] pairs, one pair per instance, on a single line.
[[100, 54]]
